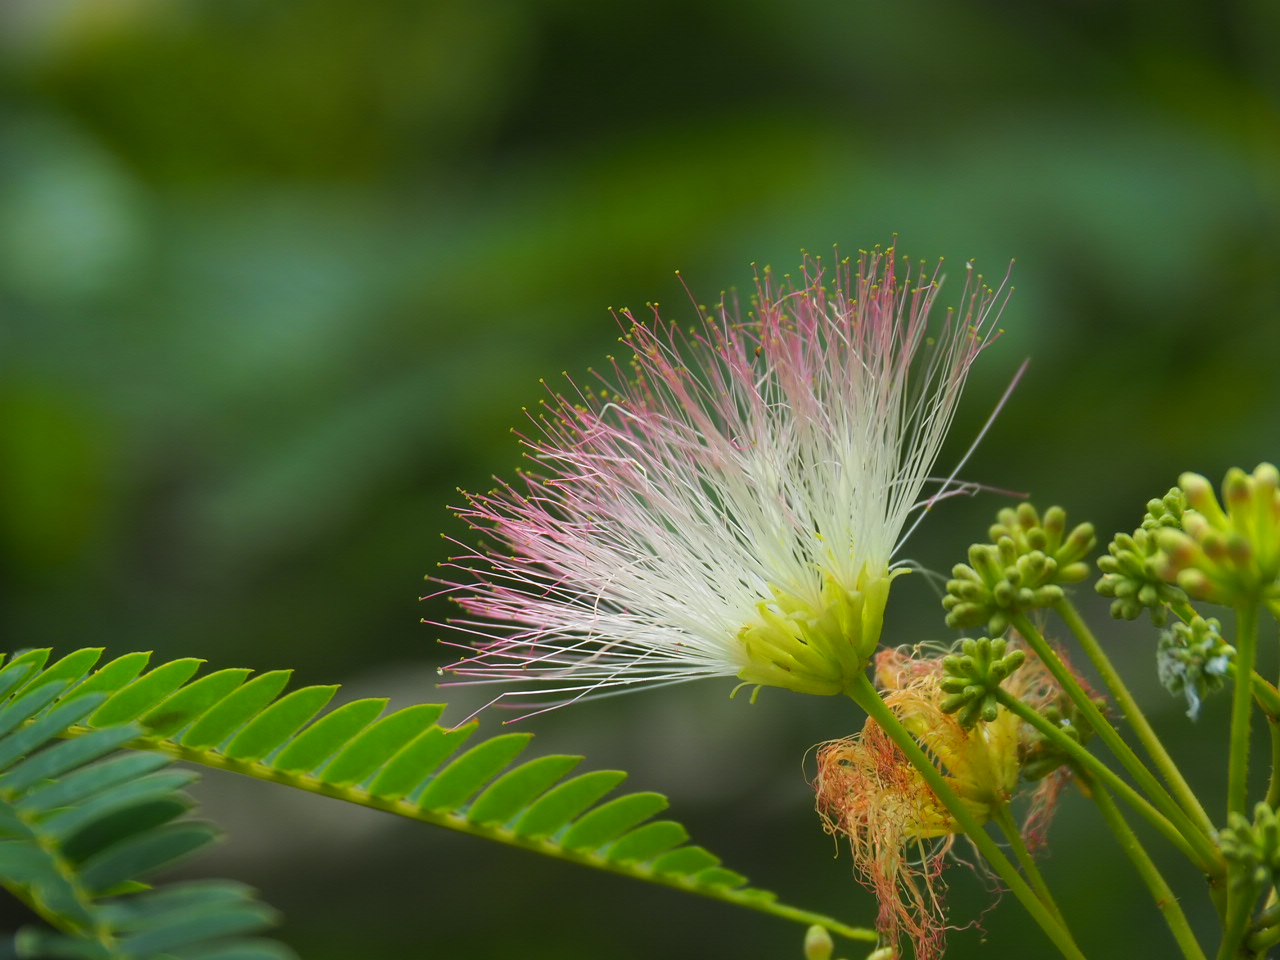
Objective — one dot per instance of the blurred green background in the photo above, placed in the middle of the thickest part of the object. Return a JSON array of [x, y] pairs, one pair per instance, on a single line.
[[276, 278]]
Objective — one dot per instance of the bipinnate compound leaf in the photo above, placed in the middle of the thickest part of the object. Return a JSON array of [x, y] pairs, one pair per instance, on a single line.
[[84, 827], [117, 817]]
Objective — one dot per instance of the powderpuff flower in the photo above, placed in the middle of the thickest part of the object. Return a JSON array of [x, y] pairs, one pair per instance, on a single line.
[[731, 501]]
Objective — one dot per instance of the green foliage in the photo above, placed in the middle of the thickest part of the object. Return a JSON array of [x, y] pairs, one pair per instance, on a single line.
[[403, 763], [83, 824]]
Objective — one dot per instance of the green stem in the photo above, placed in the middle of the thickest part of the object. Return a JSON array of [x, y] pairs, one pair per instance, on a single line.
[[1133, 713], [1266, 695], [1208, 859], [865, 695], [1266, 926], [1165, 900], [1273, 785], [1261, 941], [1184, 611], [1241, 707], [1002, 816], [1240, 898]]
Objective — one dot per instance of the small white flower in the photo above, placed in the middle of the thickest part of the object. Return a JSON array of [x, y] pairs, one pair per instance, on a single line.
[[732, 504]]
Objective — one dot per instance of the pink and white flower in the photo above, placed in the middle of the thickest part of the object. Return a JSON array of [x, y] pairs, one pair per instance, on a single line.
[[732, 500]]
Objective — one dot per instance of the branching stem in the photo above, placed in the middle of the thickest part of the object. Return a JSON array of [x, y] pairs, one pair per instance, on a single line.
[[1160, 891], [1009, 827], [865, 695], [1206, 861], [1206, 857], [1241, 707], [1133, 713]]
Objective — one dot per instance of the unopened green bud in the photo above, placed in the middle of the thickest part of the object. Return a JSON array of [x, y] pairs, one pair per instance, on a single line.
[[1048, 536], [1041, 756], [1131, 577], [818, 944], [973, 676], [1020, 570], [1252, 850], [1165, 512], [1230, 555]]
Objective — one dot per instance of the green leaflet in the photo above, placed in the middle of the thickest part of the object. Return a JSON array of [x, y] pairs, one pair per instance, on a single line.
[[112, 677], [327, 736], [175, 712], [607, 822], [280, 721], [135, 699], [515, 790], [411, 766], [463, 778], [685, 861], [374, 746], [73, 666], [91, 780], [648, 841], [145, 854], [230, 713], [81, 825], [556, 808], [64, 757], [404, 763], [198, 926]]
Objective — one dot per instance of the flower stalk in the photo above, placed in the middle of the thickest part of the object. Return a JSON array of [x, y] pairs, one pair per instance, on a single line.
[[865, 695], [1133, 714], [1205, 856], [1164, 897], [1241, 707]]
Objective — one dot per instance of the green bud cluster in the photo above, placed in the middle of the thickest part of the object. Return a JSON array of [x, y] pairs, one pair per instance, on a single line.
[[1048, 535], [1252, 850], [973, 677], [1041, 756], [1165, 512], [1131, 575], [1229, 555], [1192, 659], [1020, 570]]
